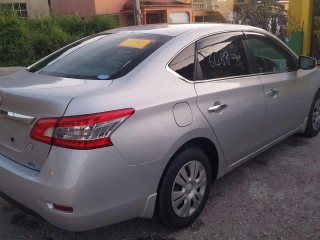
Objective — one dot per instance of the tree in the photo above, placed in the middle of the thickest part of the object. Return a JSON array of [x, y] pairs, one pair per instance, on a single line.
[[269, 15]]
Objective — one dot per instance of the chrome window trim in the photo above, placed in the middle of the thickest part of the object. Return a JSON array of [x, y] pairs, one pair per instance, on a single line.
[[241, 76], [225, 78], [194, 41], [217, 79], [178, 75]]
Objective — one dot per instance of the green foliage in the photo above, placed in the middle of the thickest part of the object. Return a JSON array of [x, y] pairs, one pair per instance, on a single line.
[[268, 14], [99, 23], [47, 36], [15, 42], [71, 24], [24, 41]]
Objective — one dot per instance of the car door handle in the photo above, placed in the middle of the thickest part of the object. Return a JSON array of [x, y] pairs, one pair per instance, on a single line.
[[273, 92], [217, 108]]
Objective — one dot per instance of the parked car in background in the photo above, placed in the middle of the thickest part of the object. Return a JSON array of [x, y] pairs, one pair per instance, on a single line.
[[138, 122]]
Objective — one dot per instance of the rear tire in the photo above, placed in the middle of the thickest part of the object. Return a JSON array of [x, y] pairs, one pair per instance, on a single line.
[[184, 189], [313, 125]]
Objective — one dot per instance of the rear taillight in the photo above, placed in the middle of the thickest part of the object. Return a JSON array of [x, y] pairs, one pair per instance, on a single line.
[[80, 132]]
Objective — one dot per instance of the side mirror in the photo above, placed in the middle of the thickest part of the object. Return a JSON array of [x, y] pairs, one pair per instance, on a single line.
[[307, 63]]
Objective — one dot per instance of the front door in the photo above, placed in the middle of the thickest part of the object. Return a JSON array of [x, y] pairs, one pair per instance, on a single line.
[[285, 86]]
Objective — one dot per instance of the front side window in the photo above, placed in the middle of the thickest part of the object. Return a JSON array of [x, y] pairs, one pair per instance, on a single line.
[[222, 56], [268, 56], [100, 57]]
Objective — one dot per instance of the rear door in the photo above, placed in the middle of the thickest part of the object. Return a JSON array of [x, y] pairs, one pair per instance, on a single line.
[[229, 97], [286, 87]]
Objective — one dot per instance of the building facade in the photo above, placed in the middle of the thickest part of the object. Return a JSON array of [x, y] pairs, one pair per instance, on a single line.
[[160, 11], [306, 15], [27, 8], [212, 10], [152, 11], [89, 8]]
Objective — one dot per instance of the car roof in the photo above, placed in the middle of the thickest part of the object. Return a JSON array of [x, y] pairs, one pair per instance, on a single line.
[[178, 29]]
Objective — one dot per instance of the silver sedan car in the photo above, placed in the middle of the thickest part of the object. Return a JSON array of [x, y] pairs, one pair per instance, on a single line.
[[138, 122]]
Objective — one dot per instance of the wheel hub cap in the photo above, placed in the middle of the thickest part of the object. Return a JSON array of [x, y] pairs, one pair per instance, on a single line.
[[188, 189], [316, 115]]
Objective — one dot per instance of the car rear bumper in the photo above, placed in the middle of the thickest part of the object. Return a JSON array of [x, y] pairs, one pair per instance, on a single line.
[[101, 190]]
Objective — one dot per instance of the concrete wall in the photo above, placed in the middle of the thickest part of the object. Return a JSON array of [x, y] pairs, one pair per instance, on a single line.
[[112, 7], [301, 11], [109, 6], [35, 8], [83, 8], [88, 8]]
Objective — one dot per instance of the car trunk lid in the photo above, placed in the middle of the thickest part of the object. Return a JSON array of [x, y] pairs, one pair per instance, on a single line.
[[27, 97]]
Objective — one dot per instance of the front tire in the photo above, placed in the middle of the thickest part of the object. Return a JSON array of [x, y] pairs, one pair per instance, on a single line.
[[313, 125], [184, 188]]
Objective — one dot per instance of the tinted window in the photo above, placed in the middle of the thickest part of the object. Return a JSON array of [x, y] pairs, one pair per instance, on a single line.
[[222, 56], [100, 57], [183, 63], [268, 56]]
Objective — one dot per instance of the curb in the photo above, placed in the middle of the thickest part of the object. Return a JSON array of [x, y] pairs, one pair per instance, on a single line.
[[7, 70]]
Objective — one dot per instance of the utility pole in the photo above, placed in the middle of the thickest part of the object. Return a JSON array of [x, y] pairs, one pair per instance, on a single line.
[[136, 12]]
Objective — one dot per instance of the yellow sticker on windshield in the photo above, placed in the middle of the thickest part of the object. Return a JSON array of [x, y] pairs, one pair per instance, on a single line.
[[139, 43]]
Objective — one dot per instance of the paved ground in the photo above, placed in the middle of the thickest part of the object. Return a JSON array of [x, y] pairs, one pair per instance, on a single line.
[[274, 196]]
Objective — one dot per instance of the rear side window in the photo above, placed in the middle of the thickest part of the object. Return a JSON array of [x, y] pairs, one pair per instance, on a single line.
[[183, 63], [100, 57], [222, 56]]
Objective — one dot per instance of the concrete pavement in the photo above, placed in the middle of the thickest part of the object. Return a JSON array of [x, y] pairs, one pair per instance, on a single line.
[[274, 196]]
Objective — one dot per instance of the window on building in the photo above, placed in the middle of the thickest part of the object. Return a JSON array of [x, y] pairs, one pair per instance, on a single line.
[[19, 8], [152, 18], [240, 1], [209, 18]]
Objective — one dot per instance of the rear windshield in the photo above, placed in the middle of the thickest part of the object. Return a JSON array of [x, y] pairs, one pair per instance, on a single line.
[[100, 57]]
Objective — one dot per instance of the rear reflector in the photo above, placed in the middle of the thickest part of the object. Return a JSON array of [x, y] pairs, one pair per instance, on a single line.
[[60, 207], [80, 132], [43, 130]]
